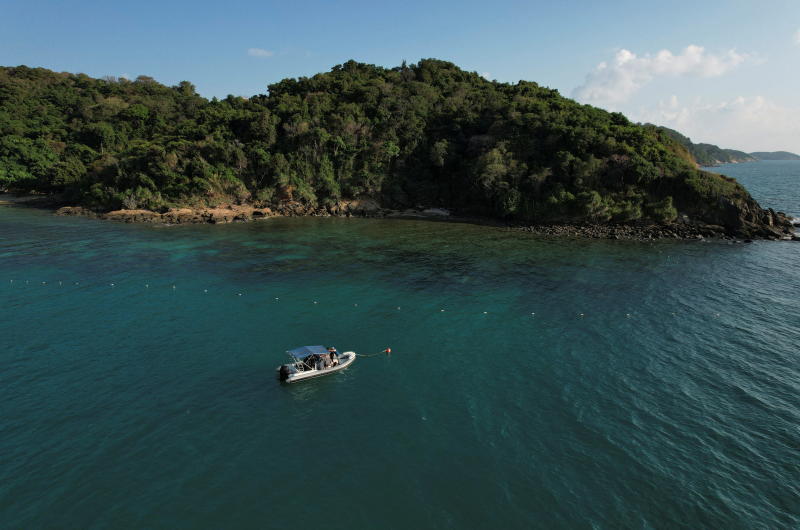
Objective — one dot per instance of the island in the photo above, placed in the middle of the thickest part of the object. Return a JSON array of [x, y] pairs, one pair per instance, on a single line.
[[707, 155], [710, 155], [359, 140], [775, 155]]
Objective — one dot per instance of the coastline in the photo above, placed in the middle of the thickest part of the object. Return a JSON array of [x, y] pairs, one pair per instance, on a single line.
[[682, 229]]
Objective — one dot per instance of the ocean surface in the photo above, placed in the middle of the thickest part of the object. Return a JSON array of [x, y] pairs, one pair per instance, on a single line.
[[534, 383]]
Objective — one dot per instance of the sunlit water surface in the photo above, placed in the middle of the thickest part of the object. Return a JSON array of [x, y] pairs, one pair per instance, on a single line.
[[533, 382]]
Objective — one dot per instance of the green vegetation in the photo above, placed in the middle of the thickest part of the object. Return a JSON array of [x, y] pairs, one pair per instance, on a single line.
[[427, 134], [707, 154]]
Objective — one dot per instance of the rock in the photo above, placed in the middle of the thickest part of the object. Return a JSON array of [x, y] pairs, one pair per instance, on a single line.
[[436, 212], [291, 208], [75, 210], [713, 229], [218, 215], [133, 216], [180, 216], [362, 206], [743, 219]]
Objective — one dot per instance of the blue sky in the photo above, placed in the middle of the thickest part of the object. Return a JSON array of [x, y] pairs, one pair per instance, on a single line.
[[723, 72]]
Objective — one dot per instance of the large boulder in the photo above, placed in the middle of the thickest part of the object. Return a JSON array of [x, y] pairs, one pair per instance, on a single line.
[[365, 207], [181, 215], [718, 201], [218, 215], [436, 212], [261, 213], [75, 210], [133, 216]]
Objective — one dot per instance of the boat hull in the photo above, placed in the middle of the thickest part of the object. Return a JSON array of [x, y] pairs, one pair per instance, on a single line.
[[345, 360]]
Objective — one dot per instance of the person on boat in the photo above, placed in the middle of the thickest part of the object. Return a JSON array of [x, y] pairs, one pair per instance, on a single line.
[[334, 355]]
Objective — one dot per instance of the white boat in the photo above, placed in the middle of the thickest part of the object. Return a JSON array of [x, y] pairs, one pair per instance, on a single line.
[[313, 361]]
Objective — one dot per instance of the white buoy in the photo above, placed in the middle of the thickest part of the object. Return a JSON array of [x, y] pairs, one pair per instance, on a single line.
[[398, 308], [147, 286], [112, 285], [173, 286], [355, 305], [316, 302], [240, 294], [485, 312], [44, 283], [276, 298], [581, 314], [441, 310], [205, 290]]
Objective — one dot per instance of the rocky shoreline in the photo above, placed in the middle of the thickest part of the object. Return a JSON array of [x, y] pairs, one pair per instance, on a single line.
[[649, 232], [232, 213], [683, 229], [777, 227]]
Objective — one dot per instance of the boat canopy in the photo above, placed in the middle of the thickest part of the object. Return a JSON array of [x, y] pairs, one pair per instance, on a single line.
[[306, 351]]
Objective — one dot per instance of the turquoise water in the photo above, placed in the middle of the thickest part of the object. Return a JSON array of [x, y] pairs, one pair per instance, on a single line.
[[566, 384]]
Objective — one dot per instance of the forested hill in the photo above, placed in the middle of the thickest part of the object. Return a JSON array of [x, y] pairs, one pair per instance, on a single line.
[[775, 155], [708, 154], [426, 134]]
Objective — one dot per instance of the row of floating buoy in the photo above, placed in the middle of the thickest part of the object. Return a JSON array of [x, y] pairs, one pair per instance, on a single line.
[[316, 302]]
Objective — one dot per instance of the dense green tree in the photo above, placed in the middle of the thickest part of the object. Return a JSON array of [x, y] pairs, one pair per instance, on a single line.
[[426, 134]]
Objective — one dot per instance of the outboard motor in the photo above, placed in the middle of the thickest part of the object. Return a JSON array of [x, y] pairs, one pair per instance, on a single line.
[[284, 373]]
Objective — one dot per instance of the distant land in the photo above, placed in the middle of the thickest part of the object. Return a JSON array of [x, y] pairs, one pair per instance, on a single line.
[[425, 136], [775, 155], [707, 155]]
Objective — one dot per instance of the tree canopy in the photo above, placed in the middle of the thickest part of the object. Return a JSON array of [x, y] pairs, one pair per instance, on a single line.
[[426, 134]]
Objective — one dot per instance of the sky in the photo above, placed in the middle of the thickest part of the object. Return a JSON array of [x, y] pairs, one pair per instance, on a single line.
[[722, 72]]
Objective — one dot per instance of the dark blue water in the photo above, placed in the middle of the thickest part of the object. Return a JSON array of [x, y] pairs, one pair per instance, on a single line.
[[534, 383], [774, 183]]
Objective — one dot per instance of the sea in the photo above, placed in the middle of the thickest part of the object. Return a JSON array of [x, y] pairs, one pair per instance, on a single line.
[[532, 382]]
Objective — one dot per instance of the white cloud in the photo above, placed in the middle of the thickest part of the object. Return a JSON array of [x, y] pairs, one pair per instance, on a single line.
[[746, 123], [259, 52], [487, 76], [796, 37], [615, 82]]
